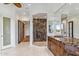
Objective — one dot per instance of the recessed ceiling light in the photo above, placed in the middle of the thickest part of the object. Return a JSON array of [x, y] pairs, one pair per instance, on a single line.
[[70, 3], [29, 4]]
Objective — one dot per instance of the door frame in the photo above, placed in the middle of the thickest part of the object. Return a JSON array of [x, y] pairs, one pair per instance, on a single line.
[[1, 21]]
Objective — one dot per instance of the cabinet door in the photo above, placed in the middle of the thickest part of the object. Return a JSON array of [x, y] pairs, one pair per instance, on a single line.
[[61, 51], [49, 44]]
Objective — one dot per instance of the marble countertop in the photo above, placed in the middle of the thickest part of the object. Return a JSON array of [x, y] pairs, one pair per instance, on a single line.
[[67, 40], [70, 47], [57, 38]]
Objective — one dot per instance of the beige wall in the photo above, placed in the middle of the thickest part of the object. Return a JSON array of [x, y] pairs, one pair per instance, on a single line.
[[75, 20], [75, 26]]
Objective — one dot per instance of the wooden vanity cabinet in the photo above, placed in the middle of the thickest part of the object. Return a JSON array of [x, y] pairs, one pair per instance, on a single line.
[[56, 47]]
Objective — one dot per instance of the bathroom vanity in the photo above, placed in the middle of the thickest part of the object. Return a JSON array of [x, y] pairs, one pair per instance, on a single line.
[[59, 46]]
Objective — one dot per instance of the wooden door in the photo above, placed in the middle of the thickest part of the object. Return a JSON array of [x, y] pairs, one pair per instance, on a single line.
[[20, 31]]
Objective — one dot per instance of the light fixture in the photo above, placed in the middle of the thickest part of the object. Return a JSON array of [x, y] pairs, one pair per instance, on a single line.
[[29, 4], [70, 3]]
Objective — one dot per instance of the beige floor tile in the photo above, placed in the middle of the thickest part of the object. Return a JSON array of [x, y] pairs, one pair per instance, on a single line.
[[24, 49]]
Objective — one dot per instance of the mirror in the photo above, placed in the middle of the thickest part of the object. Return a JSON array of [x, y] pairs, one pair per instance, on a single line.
[[50, 26]]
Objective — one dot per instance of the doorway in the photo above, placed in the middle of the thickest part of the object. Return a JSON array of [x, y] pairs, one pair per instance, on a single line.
[[20, 31], [71, 29], [23, 31], [26, 31]]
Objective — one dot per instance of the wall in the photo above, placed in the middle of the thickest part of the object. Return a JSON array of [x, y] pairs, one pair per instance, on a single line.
[[75, 20], [75, 26], [9, 11]]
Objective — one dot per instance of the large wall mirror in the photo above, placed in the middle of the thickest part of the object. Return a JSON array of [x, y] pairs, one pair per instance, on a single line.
[[50, 26]]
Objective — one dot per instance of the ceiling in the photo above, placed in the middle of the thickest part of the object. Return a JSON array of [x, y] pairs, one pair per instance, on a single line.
[[52, 9], [35, 8], [70, 9]]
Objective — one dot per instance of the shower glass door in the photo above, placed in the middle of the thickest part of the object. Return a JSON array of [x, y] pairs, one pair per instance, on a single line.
[[6, 32]]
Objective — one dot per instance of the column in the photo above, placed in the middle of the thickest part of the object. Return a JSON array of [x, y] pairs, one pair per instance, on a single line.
[[31, 31]]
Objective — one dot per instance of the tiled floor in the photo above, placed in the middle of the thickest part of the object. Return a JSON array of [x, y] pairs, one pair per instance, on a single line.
[[44, 43], [24, 49]]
